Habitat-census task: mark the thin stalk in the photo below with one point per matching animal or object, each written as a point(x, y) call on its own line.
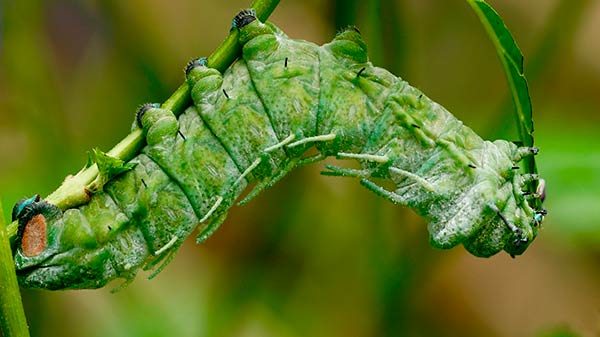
point(12, 315)
point(73, 191)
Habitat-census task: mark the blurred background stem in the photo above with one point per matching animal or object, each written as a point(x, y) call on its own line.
point(12, 315)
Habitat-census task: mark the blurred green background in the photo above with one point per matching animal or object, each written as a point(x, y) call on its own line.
point(316, 256)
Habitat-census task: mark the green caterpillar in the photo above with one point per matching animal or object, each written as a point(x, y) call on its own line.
point(252, 125)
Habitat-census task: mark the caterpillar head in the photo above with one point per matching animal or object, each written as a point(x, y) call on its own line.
point(527, 216)
point(51, 254)
point(511, 216)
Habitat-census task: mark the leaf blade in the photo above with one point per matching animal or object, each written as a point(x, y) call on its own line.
point(513, 63)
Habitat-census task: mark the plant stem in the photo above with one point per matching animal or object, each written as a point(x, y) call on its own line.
point(73, 190)
point(12, 315)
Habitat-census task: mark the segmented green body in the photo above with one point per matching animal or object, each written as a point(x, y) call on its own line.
point(253, 124)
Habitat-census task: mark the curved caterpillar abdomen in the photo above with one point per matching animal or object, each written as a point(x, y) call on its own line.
point(252, 125)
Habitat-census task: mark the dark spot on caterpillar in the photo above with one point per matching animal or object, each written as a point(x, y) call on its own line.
point(199, 62)
point(142, 110)
point(516, 167)
point(225, 92)
point(543, 212)
point(109, 228)
point(360, 72)
point(512, 255)
point(420, 96)
point(526, 193)
point(286, 62)
point(416, 126)
point(244, 18)
point(181, 134)
point(472, 166)
point(534, 150)
point(144, 183)
point(355, 29)
point(34, 241)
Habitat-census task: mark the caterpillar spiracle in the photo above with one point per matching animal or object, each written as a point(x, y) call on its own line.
point(252, 125)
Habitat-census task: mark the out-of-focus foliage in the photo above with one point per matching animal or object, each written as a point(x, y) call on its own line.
point(315, 256)
point(562, 332)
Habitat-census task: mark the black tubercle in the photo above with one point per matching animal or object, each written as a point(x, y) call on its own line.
point(244, 18)
point(360, 72)
point(142, 110)
point(199, 62)
point(225, 93)
point(354, 28)
point(285, 64)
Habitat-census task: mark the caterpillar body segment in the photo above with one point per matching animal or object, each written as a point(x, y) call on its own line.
point(252, 125)
point(291, 66)
point(232, 109)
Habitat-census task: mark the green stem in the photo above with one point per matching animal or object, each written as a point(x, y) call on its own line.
point(73, 191)
point(12, 315)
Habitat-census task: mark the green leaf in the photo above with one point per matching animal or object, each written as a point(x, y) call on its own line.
point(512, 61)
point(108, 167)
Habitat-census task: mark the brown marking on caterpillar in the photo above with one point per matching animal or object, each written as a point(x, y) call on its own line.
point(34, 239)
